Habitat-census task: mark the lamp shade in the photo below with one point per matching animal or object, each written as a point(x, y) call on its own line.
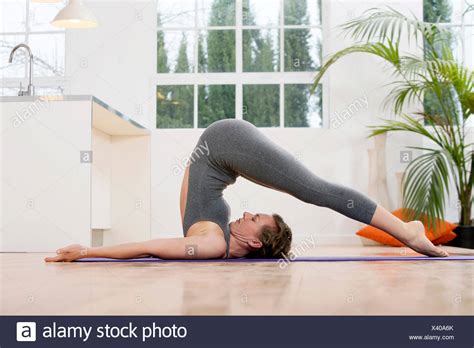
point(75, 15)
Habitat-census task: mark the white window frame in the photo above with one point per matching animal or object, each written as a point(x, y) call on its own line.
point(467, 35)
point(240, 78)
point(38, 81)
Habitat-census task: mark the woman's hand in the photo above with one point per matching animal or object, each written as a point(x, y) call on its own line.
point(70, 253)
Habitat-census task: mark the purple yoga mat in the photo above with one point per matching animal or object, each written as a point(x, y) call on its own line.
point(297, 259)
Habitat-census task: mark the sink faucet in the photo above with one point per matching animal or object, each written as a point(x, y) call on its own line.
point(31, 88)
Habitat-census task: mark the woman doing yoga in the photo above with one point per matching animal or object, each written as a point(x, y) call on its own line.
point(230, 148)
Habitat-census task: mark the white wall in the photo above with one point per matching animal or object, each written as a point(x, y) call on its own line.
point(116, 60)
point(118, 63)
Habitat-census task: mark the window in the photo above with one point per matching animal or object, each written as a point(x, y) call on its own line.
point(247, 59)
point(458, 17)
point(27, 22)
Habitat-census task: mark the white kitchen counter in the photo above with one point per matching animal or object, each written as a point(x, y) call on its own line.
point(73, 170)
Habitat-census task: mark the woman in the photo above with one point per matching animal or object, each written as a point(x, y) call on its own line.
point(230, 148)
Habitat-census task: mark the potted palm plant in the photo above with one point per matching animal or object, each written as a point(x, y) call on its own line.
point(433, 74)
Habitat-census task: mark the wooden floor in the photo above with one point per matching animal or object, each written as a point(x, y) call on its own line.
point(30, 286)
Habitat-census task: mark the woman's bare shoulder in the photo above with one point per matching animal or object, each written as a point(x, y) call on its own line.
point(205, 228)
point(209, 229)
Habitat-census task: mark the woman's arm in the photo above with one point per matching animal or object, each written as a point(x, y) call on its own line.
point(205, 246)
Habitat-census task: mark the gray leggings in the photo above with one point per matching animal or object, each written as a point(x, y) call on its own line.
point(237, 147)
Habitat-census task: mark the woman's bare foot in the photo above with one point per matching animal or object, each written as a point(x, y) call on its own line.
point(416, 240)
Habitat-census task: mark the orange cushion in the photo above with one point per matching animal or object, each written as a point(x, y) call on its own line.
point(445, 239)
point(370, 232)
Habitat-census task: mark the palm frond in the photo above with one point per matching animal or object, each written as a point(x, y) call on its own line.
point(449, 160)
point(409, 124)
point(405, 93)
point(425, 186)
point(414, 66)
point(387, 51)
point(377, 24)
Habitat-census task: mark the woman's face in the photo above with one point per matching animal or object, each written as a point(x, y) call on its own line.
point(251, 224)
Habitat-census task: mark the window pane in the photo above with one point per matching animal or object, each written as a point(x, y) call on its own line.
point(260, 50)
point(175, 51)
point(471, 66)
point(215, 102)
point(41, 15)
point(9, 91)
point(176, 13)
point(301, 108)
point(455, 40)
point(17, 68)
point(302, 49)
point(260, 12)
point(262, 105)
point(48, 50)
point(12, 16)
point(49, 91)
point(174, 106)
point(216, 12)
point(468, 11)
point(437, 14)
point(447, 11)
point(216, 50)
point(302, 12)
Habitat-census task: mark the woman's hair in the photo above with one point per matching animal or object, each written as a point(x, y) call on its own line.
point(275, 243)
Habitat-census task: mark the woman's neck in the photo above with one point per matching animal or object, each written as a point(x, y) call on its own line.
point(237, 248)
